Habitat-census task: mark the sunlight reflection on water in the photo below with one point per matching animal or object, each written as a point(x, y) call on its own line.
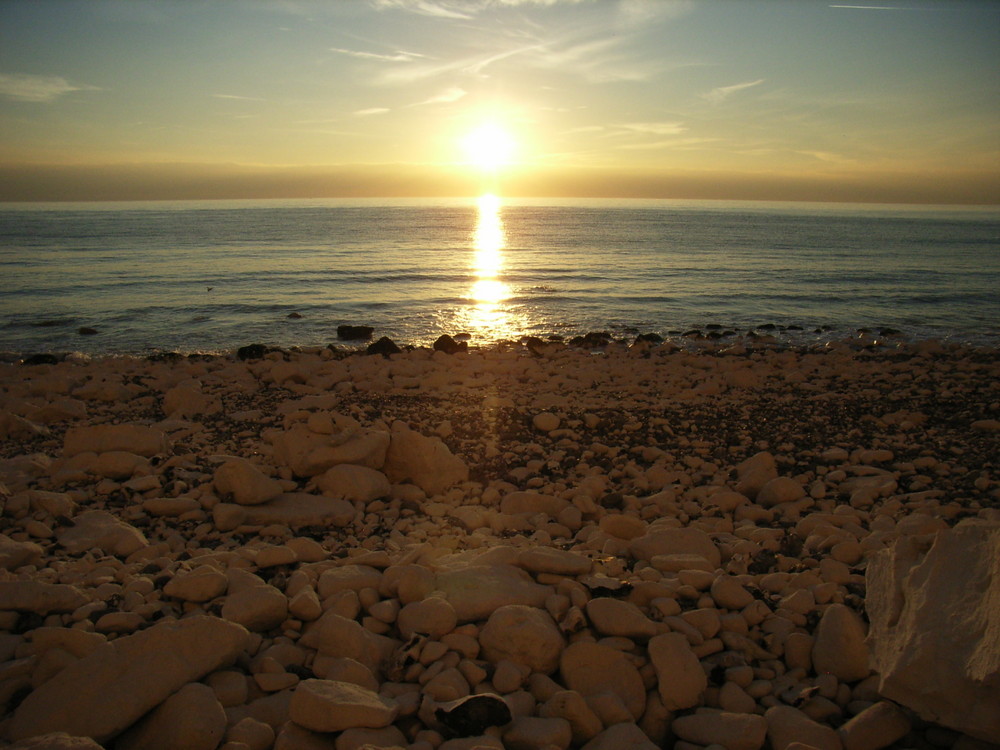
point(488, 316)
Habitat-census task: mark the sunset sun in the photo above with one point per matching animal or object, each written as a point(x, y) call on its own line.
point(489, 146)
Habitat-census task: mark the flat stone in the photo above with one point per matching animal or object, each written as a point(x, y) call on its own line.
point(524, 501)
point(134, 673)
point(40, 598)
point(623, 736)
point(331, 706)
point(555, 561)
point(56, 741)
point(140, 439)
point(476, 591)
point(524, 635)
point(786, 725)
point(257, 608)
point(308, 453)
point(348, 578)
point(729, 593)
point(685, 541)
point(734, 731)
point(292, 509)
point(877, 727)
point(202, 584)
point(536, 733)
point(100, 529)
point(433, 617)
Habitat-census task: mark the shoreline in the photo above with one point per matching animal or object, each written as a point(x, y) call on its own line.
point(425, 527)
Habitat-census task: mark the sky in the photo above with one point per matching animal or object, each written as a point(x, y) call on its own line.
point(856, 100)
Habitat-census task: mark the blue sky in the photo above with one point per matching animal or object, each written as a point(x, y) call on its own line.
point(640, 96)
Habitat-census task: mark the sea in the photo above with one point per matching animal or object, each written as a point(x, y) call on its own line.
point(137, 278)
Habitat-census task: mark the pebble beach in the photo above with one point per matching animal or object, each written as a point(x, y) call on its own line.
point(533, 546)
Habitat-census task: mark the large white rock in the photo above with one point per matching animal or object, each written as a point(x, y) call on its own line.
point(592, 668)
point(679, 675)
point(40, 597)
point(117, 683)
point(839, 646)
point(730, 730)
point(424, 461)
point(935, 626)
point(476, 591)
point(670, 541)
point(354, 483)
point(293, 509)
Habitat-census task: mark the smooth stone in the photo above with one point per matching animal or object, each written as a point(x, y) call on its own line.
point(536, 733)
point(728, 593)
point(309, 453)
point(555, 561)
point(56, 741)
point(779, 490)
point(619, 618)
point(191, 718)
point(424, 461)
point(839, 647)
point(40, 598)
point(247, 484)
point(257, 608)
point(433, 617)
point(102, 530)
point(202, 584)
point(623, 736)
point(669, 541)
point(592, 668)
point(524, 635)
point(292, 509)
point(734, 731)
point(786, 725)
point(347, 578)
point(133, 673)
point(680, 678)
point(140, 439)
point(354, 483)
point(877, 727)
point(331, 706)
point(476, 591)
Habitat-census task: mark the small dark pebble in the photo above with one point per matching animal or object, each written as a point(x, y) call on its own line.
point(384, 346)
point(86, 331)
point(354, 333)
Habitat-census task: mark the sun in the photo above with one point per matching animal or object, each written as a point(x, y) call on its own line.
point(489, 146)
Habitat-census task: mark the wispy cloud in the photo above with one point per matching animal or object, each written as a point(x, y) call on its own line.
point(399, 56)
point(654, 128)
point(426, 8)
point(445, 97)
point(722, 93)
point(371, 111)
point(871, 7)
point(25, 87)
point(238, 98)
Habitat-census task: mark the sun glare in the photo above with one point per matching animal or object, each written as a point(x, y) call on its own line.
point(489, 146)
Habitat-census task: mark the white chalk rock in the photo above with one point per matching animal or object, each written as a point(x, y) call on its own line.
point(552, 560)
point(780, 490)
point(935, 626)
point(523, 635)
point(199, 585)
point(433, 617)
point(545, 421)
point(258, 607)
point(292, 509)
point(348, 578)
point(353, 483)
point(39, 597)
point(134, 674)
point(878, 726)
point(247, 484)
point(728, 593)
point(100, 529)
point(331, 706)
point(753, 473)
point(424, 461)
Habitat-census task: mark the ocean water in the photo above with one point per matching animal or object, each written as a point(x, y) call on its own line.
point(215, 275)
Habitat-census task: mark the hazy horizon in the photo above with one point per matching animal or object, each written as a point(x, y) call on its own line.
point(888, 102)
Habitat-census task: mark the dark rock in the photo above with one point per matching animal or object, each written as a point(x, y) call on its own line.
point(889, 332)
point(713, 327)
point(50, 323)
point(653, 338)
point(165, 357)
point(463, 337)
point(471, 716)
point(767, 327)
point(251, 351)
point(592, 340)
point(794, 327)
point(354, 333)
point(294, 315)
point(693, 333)
point(531, 341)
point(448, 345)
point(384, 346)
point(612, 501)
point(40, 359)
point(86, 331)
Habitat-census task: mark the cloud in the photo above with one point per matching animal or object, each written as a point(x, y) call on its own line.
point(25, 87)
point(870, 7)
point(722, 93)
point(654, 128)
point(445, 97)
point(371, 111)
point(426, 8)
point(399, 56)
point(238, 98)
